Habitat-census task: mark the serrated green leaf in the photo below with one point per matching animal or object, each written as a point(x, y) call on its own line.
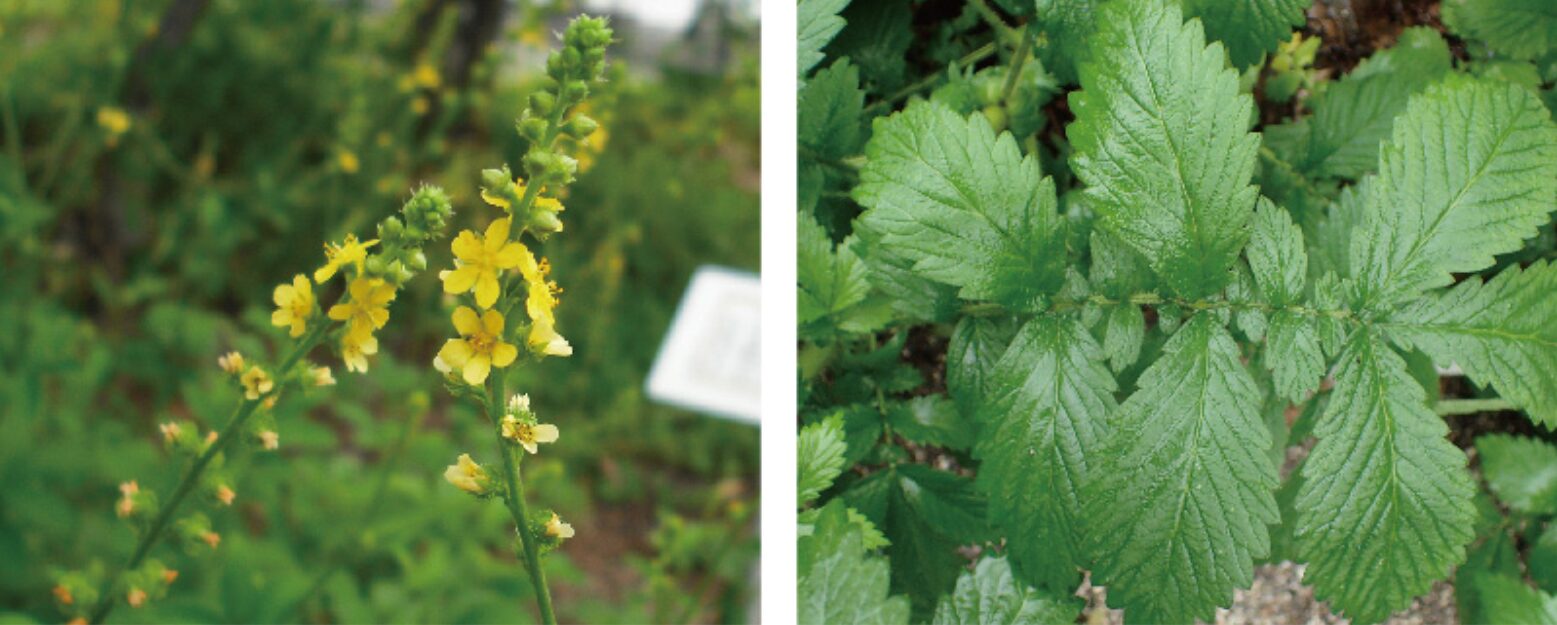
point(912, 297)
point(1493, 555)
point(1506, 600)
point(1181, 497)
point(1542, 559)
point(1332, 245)
point(839, 581)
point(971, 359)
point(1123, 335)
point(1385, 508)
point(1039, 432)
point(819, 456)
point(1066, 25)
point(831, 280)
point(1502, 333)
point(1117, 270)
point(1161, 139)
point(831, 109)
point(1293, 354)
point(964, 205)
point(877, 39)
point(991, 595)
point(1469, 172)
point(1521, 471)
point(818, 23)
point(1277, 257)
point(870, 537)
point(1341, 139)
point(1523, 29)
point(1251, 28)
point(926, 514)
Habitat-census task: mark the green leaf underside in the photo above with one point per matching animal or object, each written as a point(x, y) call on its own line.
point(831, 280)
point(963, 204)
point(1178, 510)
point(1469, 173)
point(820, 458)
point(1521, 471)
point(818, 23)
point(1523, 29)
point(1341, 139)
point(1162, 143)
point(991, 595)
point(1053, 396)
point(839, 581)
point(1385, 508)
point(1502, 333)
point(1251, 28)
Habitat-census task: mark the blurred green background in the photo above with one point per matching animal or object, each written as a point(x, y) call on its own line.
point(131, 256)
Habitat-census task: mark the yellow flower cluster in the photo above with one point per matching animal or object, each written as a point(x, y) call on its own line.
point(294, 305)
point(480, 346)
point(479, 260)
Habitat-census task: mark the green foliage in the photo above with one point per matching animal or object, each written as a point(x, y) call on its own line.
point(840, 581)
point(1522, 29)
point(1133, 317)
point(990, 594)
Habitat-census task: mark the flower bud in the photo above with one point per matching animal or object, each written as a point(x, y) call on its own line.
point(468, 476)
point(418, 261)
point(580, 126)
point(390, 229)
point(533, 129)
point(542, 102)
point(574, 90)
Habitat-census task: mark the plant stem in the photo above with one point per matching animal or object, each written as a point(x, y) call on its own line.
point(246, 408)
point(515, 500)
point(1448, 407)
point(979, 54)
point(1017, 61)
point(1002, 29)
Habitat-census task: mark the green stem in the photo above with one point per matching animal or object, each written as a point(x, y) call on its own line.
point(105, 601)
point(1448, 407)
point(1017, 61)
point(978, 54)
point(1003, 30)
point(515, 500)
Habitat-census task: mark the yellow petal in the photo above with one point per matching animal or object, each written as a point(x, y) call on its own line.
point(298, 326)
point(281, 317)
point(300, 282)
point(379, 317)
point(466, 246)
point(361, 290)
point(497, 234)
point(546, 433)
point(466, 322)
point(487, 289)
point(340, 312)
point(503, 354)
point(460, 280)
point(454, 353)
point(283, 294)
point(325, 273)
point(367, 344)
point(529, 446)
point(493, 322)
point(512, 255)
point(382, 294)
point(477, 368)
point(494, 200)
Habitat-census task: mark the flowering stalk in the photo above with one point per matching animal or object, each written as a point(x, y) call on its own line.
point(485, 280)
point(372, 280)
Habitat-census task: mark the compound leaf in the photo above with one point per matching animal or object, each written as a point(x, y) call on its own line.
point(1523, 29)
point(1385, 508)
point(972, 356)
point(1123, 335)
point(831, 106)
point(820, 457)
point(839, 581)
point(1277, 257)
point(1251, 28)
point(831, 280)
point(818, 23)
point(1521, 471)
point(1161, 139)
point(1181, 498)
point(1469, 173)
point(1501, 333)
point(963, 204)
point(991, 595)
point(1293, 354)
point(1038, 435)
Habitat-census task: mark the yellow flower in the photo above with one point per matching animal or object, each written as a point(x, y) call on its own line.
point(225, 495)
point(321, 376)
point(555, 528)
point(126, 505)
point(348, 161)
point(426, 76)
point(337, 256)
point(231, 362)
point(368, 308)
point(540, 203)
point(170, 431)
point(545, 340)
point(294, 304)
point(270, 440)
point(481, 347)
point(136, 598)
point(528, 434)
point(113, 119)
point(478, 261)
point(211, 538)
point(468, 476)
point(355, 349)
point(255, 383)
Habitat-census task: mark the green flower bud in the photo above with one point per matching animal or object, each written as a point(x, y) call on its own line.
point(580, 126)
point(390, 229)
point(418, 261)
point(542, 102)
point(375, 265)
point(533, 128)
point(574, 90)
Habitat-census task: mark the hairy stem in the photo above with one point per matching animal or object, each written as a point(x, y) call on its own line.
point(1002, 29)
point(515, 500)
point(979, 54)
point(1018, 59)
point(159, 524)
